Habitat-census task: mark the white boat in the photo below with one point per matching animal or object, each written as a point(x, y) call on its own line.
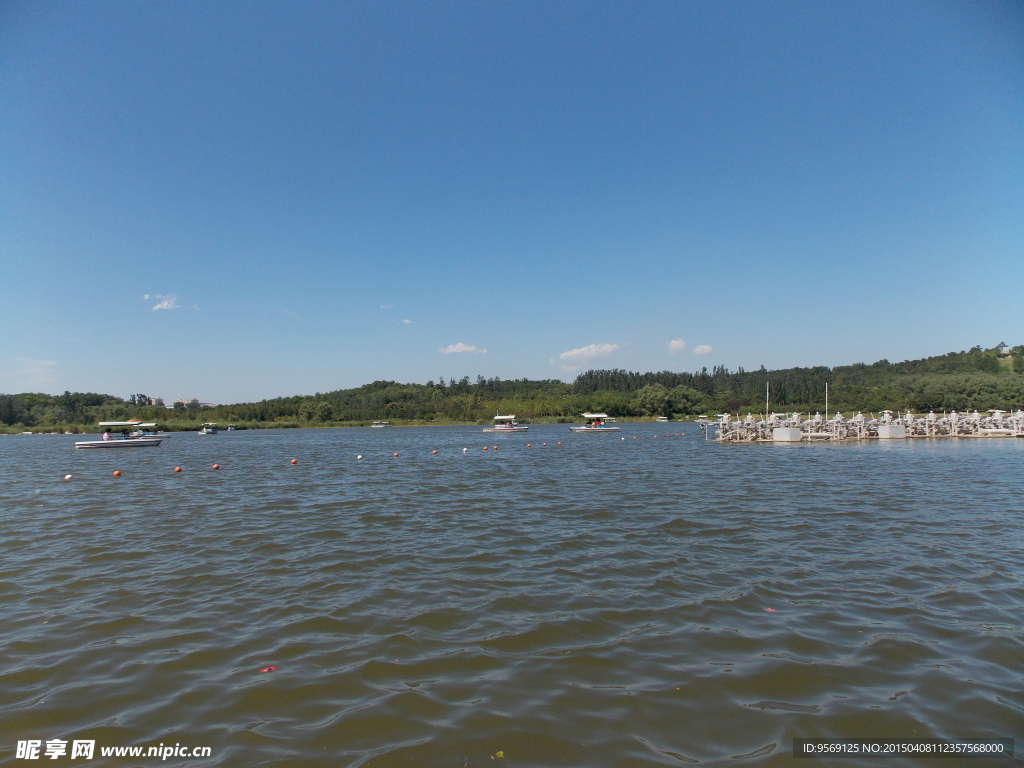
point(209, 428)
point(662, 418)
point(379, 424)
point(141, 436)
point(506, 424)
point(596, 422)
point(232, 428)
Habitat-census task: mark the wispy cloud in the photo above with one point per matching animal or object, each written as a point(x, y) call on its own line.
point(164, 300)
point(29, 374)
point(676, 346)
point(387, 306)
point(703, 349)
point(407, 322)
point(452, 349)
point(574, 359)
point(587, 353)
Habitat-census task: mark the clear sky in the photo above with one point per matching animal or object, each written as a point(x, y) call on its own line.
point(233, 201)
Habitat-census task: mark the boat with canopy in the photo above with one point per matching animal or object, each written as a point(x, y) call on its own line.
point(506, 424)
point(596, 422)
point(142, 435)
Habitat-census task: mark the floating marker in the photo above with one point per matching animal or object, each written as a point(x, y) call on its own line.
point(117, 473)
point(544, 443)
point(559, 442)
point(177, 469)
point(495, 447)
point(485, 447)
point(395, 455)
point(465, 450)
point(67, 477)
point(295, 461)
point(269, 669)
point(216, 466)
point(529, 446)
point(359, 456)
point(433, 453)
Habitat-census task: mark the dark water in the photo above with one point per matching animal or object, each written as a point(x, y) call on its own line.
point(600, 603)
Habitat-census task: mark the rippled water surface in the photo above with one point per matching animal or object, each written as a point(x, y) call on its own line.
point(604, 602)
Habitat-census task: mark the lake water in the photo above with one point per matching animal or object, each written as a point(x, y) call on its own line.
point(604, 602)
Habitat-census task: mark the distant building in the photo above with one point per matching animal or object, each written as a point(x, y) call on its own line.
point(188, 402)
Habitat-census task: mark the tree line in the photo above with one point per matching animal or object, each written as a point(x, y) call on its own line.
point(972, 379)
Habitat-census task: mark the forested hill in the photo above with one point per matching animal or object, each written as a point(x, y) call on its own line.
point(974, 379)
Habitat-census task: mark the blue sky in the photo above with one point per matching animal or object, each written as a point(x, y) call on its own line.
point(234, 201)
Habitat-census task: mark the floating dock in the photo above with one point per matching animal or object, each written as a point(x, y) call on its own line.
point(791, 428)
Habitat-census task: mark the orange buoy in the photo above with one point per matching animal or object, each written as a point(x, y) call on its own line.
point(559, 442)
point(433, 453)
point(395, 455)
point(485, 447)
point(634, 437)
point(216, 466)
point(544, 443)
point(495, 447)
point(529, 446)
point(117, 473)
point(295, 461)
point(177, 469)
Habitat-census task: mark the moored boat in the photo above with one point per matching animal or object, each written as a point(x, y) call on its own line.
point(506, 424)
point(209, 428)
point(380, 424)
point(596, 422)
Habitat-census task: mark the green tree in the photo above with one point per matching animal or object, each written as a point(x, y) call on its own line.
point(686, 400)
point(654, 400)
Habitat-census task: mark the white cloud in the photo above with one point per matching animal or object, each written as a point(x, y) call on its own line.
point(29, 375)
point(387, 306)
point(703, 349)
point(460, 347)
point(676, 346)
point(575, 358)
point(407, 322)
point(165, 300)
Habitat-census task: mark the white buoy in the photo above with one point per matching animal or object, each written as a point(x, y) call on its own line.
point(359, 456)
point(67, 477)
point(465, 450)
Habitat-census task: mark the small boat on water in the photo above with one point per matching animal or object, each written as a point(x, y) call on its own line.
point(506, 424)
point(380, 424)
point(209, 428)
point(596, 422)
point(140, 436)
point(662, 418)
point(232, 428)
